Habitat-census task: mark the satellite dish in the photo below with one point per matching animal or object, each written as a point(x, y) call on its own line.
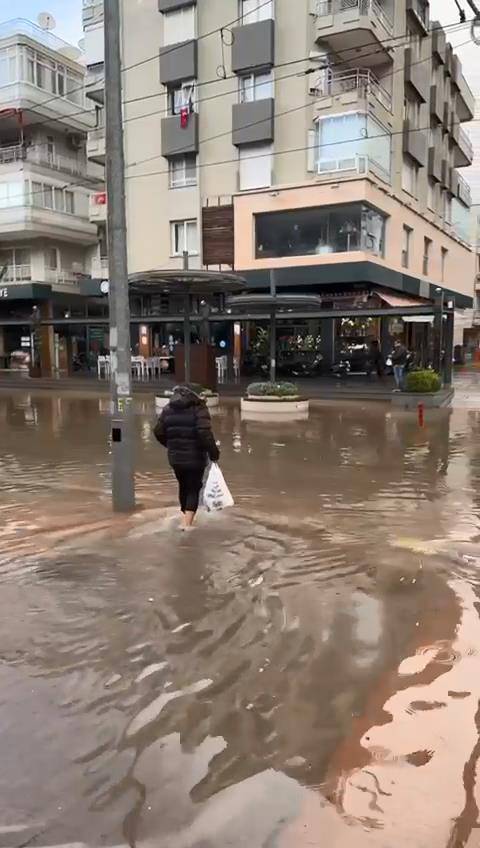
point(46, 21)
point(81, 45)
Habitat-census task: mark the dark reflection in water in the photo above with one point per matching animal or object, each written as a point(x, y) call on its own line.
point(294, 669)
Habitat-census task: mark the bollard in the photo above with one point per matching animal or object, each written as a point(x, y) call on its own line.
point(421, 415)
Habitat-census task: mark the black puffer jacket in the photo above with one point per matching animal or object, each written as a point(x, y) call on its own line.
point(185, 429)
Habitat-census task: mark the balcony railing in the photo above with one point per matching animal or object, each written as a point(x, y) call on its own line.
point(20, 26)
point(365, 7)
point(99, 269)
point(12, 153)
point(333, 83)
point(464, 190)
point(360, 165)
point(16, 273)
point(465, 143)
point(60, 277)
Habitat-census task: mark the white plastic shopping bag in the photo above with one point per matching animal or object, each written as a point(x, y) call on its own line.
point(216, 494)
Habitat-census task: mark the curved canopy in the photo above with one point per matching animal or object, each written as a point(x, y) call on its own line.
point(185, 282)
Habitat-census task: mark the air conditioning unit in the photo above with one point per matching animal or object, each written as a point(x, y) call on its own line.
point(74, 141)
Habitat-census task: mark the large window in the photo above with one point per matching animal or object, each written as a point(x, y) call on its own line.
point(179, 25)
point(344, 142)
point(256, 166)
point(184, 237)
point(46, 196)
point(410, 176)
point(256, 87)
point(256, 10)
point(183, 171)
point(17, 262)
point(320, 230)
point(22, 64)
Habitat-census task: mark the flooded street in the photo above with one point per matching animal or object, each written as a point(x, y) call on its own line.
point(302, 670)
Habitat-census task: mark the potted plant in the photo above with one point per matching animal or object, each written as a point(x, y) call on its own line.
point(279, 398)
point(211, 398)
point(423, 386)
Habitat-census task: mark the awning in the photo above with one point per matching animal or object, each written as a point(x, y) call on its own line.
point(400, 300)
point(417, 319)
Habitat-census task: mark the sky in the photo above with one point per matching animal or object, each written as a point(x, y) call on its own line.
point(446, 12)
point(67, 13)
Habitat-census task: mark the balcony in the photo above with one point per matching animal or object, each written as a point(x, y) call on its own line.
point(435, 163)
point(96, 148)
point(417, 75)
point(26, 221)
point(465, 105)
point(355, 166)
point(464, 193)
point(179, 62)
point(253, 122)
point(353, 25)
point(437, 103)
point(415, 143)
point(12, 153)
point(177, 141)
point(173, 5)
point(439, 42)
point(253, 46)
point(347, 88)
point(61, 278)
point(99, 268)
point(17, 274)
point(92, 12)
point(447, 172)
point(22, 26)
point(95, 83)
point(462, 147)
point(419, 12)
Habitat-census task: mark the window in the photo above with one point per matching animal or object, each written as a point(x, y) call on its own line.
point(70, 202)
point(406, 240)
point(51, 258)
point(179, 25)
point(48, 196)
point(410, 176)
point(22, 64)
point(8, 65)
point(256, 166)
point(183, 171)
point(256, 10)
point(443, 257)
point(181, 96)
point(432, 196)
point(17, 261)
point(256, 87)
point(447, 207)
point(320, 230)
point(427, 243)
point(184, 238)
point(12, 194)
point(59, 200)
point(37, 194)
point(344, 141)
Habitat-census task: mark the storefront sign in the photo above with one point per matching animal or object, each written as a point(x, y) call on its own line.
point(3, 293)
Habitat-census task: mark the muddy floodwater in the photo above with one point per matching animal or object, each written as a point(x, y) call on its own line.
point(303, 670)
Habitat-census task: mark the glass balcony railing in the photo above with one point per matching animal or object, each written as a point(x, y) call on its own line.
point(20, 26)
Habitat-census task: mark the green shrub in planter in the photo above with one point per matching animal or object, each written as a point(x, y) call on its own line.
point(423, 382)
point(278, 390)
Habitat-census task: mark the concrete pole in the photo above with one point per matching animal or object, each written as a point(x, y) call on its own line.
point(273, 329)
point(187, 351)
point(438, 330)
point(123, 474)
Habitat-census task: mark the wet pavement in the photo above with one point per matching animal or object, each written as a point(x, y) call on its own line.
point(303, 670)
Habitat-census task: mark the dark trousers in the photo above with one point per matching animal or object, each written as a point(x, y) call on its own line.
point(190, 481)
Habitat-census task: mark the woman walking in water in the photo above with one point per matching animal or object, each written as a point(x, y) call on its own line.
point(185, 429)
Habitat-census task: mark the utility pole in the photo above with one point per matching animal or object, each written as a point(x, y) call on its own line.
point(123, 474)
point(273, 328)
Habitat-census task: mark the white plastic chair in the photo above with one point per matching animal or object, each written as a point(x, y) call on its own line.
point(221, 362)
point(236, 367)
point(138, 367)
point(103, 367)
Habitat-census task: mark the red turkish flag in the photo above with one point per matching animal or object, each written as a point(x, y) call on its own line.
point(184, 113)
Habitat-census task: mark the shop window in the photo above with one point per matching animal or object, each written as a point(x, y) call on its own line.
point(320, 230)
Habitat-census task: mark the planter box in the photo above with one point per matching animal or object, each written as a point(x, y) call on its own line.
point(161, 402)
point(275, 406)
point(433, 400)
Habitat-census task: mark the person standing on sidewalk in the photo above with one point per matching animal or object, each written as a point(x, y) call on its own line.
point(185, 429)
point(399, 362)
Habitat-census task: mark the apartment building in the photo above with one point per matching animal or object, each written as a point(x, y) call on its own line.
point(47, 240)
point(321, 139)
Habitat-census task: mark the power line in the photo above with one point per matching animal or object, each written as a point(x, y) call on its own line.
point(261, 121)
point(456, 27)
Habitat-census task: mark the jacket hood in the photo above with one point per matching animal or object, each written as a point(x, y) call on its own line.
point(184, 396)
